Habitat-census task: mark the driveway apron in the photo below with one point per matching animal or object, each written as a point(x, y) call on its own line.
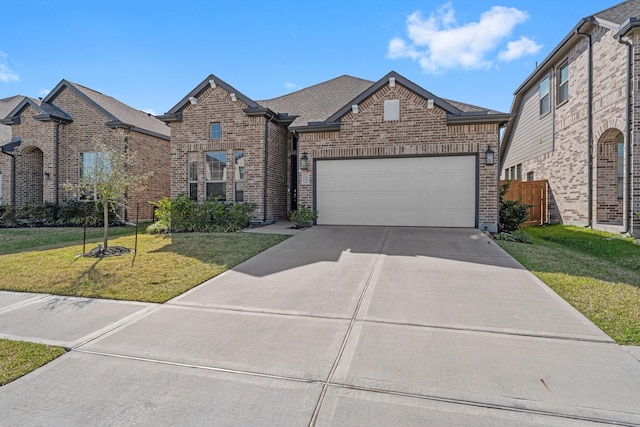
point(346, 326)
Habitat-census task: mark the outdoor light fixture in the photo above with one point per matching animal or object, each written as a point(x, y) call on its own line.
point(233, 97)
point(489, 154)
point(47, 175)
point(212, 83)
point(354, 109)
point(193, 100)
point(304, 162)
point(430, 103)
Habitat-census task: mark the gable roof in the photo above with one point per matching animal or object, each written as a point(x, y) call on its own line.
point(617, 15)
point(6, 105)
point(45, 112)
point(457, 112)
point(318, 102)
point(617, 18)
point(321, 106)
point(118, 114)
point(253, 108)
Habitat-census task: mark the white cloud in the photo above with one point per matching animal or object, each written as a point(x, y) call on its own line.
point(43, 92)
point(290, 86)
point(6, 74)
point(438, 42)
point(519, 48)
point(150, 111)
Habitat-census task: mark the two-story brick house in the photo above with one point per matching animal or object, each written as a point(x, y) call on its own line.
point(52, 138)
point(359, 152)
point(576, 119)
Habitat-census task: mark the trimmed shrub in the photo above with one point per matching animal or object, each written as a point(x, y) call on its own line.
point(183, 214)
point(67, 214)
point(512, 212)
point(304, 216)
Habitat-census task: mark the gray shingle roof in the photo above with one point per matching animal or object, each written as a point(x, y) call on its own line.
point(317, 103)
point(619, 13)
point(6, 106)
point(124, 113)
point(117, 113)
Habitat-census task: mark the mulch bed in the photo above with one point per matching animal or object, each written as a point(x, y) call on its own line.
point(100, 252)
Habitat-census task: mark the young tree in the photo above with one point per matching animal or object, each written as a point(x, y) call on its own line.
point(107, 174)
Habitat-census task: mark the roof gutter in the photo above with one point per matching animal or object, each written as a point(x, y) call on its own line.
point(589, 126)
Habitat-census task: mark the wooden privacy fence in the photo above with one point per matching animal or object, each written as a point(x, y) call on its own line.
point(532, 193)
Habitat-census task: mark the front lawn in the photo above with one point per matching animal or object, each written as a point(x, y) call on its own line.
point(18, 358)
point(596, 272)
point(46, 260)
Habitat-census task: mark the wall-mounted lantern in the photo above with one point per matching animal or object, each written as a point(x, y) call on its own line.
point(489, 156)
point(304, 162)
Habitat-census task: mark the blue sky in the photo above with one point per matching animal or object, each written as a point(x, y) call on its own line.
point(151, 54)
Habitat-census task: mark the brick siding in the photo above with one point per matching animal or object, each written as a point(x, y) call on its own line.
point(37, 183)
point(419, 132)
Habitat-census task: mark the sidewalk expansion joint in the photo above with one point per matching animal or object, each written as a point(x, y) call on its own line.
point(254, 311)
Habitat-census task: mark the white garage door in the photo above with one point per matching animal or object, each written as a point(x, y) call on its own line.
point(416, 191)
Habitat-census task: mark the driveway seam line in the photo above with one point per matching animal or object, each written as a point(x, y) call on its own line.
point(434, 398)
point(352, 322)
point(493, 332)
point(488, 405)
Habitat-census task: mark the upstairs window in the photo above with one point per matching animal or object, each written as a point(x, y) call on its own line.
point(545, 101)
point(563, 83)
point(216, 131)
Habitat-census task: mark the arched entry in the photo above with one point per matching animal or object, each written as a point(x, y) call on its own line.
point(29, 176)
point(610, 178)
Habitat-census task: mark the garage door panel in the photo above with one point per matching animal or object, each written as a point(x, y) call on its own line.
point(421, 191)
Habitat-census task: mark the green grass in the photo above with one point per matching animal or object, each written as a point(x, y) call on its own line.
point(18, 358)
point(46, 260)
point(596, 272)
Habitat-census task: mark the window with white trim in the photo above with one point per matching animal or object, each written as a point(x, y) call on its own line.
point(563, 83)
point(545, 99)
point(519, 172)
point(238, 175)
point(215, 175)
point(192, 172)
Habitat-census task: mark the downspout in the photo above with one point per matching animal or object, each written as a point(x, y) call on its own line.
point(13, 175)
point(628, 215)
point(57, 162)
point(266, 169)
point(589, 127)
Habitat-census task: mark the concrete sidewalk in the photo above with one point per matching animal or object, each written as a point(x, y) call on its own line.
point(335, 326)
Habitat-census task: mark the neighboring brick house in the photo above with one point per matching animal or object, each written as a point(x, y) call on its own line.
point(575, 118)
point(51, 138)
point(359, 152)
point(6, 106)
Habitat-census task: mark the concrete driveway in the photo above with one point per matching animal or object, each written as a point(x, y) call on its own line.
point(348, 326)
